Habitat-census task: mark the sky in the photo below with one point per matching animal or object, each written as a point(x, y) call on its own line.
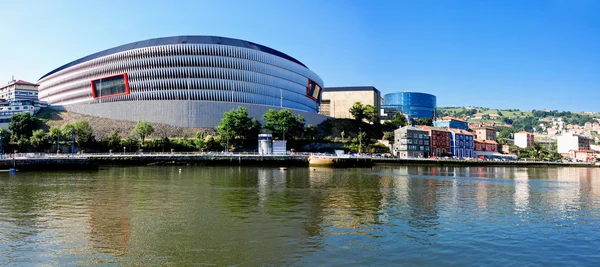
point(532, 54)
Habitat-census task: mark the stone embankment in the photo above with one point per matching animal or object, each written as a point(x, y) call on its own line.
point(38, 164)
point(475, 163)
point(93, 162)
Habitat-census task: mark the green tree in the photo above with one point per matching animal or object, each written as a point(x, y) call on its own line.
point(142, 130)
point(83, 132)
point(388, 136)
point(311, 131)
point(371, 114)
point(199, 140)
point(210, 144)
point(22, 143)
point(237, 128)
point(113, 140)
point(55, 134)
point(283, 121)
point(342, 134)
point(424, 121)
point(358, 111)
point(38, 139)
point(22, 125)
point(6, 136)
point(399, 120)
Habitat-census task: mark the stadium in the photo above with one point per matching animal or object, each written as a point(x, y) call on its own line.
point(187, 81)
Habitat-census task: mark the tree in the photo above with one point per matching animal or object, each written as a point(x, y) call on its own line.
point(141, 130)
point(22, 125)
point(38, 139)
point(83, 132)
point(282, 122)
point(371, 114)
point(342, 134)
point(55, 134)
point(113, 140)
point(6, 135)
point(424, 121)
point(238, 128)
point(81, 128)
point(311, 131)
point(210, 144)
point(199, 140)
point(358, 111)
point(388, 136)
point(22, 143)
point(399, 120)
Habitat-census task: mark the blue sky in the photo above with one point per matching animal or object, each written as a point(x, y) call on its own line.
point(499, 54)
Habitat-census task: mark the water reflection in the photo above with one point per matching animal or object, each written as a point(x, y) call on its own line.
point(308, 216)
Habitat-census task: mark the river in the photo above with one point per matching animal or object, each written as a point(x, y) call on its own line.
point(248, 216)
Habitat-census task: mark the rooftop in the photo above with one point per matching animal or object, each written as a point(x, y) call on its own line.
point(350, 88)
point(18, 82)
point(190, 39)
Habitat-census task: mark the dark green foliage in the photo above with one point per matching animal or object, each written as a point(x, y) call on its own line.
point(38, 139)
point(424, 121)
point(238, 129)
point(358, 111)
point(22, 125)
point(283, 122)
point(141, 130)
point(388, 136)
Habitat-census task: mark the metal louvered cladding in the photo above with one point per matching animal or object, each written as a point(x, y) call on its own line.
point(205, 72)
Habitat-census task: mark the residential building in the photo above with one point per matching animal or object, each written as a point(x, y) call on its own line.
point(411, 142)
point(451, 122)
point(485, 147)
point(337, 101)
point(439, 140)
point(569, 141)
point(582, 155)
point(461, 143)
point(524, 139)
point(485, 133)
point(19, 90)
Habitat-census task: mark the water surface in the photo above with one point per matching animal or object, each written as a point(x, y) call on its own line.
point(451, 216)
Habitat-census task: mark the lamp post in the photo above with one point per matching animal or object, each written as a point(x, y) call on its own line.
point(359, 140)
point(1, 139)
point(123, 151)
point(72, 142)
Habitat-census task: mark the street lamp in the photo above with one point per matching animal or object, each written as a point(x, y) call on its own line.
point(72, 142)
point(123, 151)
point(359, 140)
point(1, 139)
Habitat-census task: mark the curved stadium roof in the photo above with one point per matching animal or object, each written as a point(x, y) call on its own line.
point(192, 39)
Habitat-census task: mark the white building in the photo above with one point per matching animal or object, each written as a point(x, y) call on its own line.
point(18, 97)
point(19, 90)
point(524, 139)
point(568, 142)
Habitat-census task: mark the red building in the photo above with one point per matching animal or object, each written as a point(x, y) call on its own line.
point(439, 140)
point(485, 146)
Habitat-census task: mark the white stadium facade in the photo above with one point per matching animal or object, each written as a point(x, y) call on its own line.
point(187, 81)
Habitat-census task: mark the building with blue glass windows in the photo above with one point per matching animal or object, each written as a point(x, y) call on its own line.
point(187, 81)
point(411, 104)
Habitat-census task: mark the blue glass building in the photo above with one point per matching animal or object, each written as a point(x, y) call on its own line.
point(414, 105)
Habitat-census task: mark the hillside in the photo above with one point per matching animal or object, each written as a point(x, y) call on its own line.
point(103, 126)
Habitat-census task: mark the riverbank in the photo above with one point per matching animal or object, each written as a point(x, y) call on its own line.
point(48, 164)
point(470, 163)
point(93, 162)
